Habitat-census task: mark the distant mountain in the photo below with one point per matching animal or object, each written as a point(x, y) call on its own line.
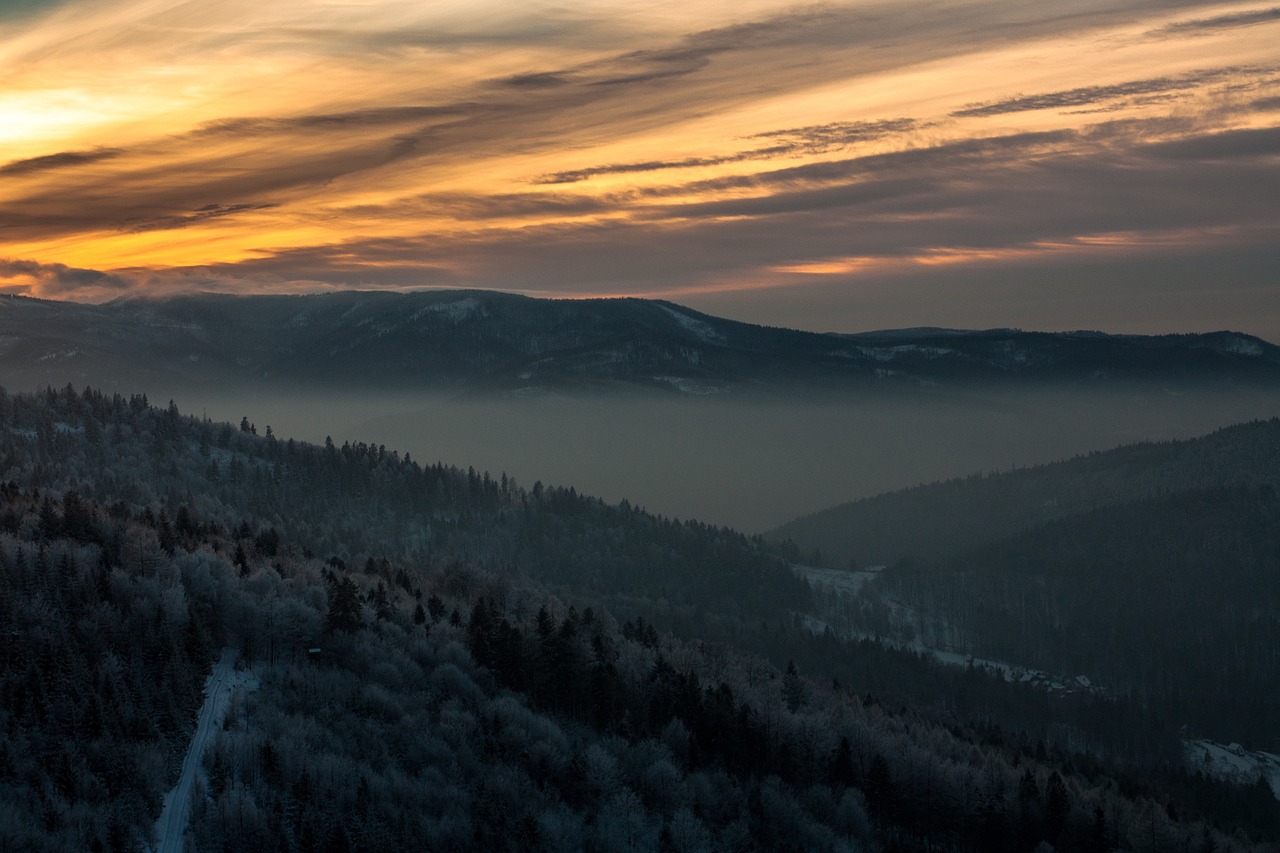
point(1152, 569)
point(1175, 599)
point(940, 519)
point(479, 341)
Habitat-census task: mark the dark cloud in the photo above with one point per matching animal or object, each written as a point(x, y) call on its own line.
point(465, 207)
point(690, 54)
point(576, 175)
point(541, 26)
point(1262, 142)
point(537, 80)
point(377, 117)
point(195, 217)
point(249, 158)
point(61, 160)
point(798, 26)
point(826, 198)
point(23, 8)
point(823, 136)
point(61, 280)
point(1089, 95)
point(807, 140)
point(656, 74)
point(187, 189)
point(944, 156)
point(1024, 193)
point(1205, 26)
point(996, 193)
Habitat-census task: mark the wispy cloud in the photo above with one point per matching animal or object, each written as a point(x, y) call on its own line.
point(57, 280)
point(1230, 20)
point(615, 145)
point(817, 139)
point(1090, 95)
point(195, 217)
point(61, 160)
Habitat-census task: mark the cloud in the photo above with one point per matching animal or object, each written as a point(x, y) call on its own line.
point(832, 134)
point(574, 176)
point(58, 280)
point(927, 159)
point(399, 150)
point(537, 80)
point(1206, 26)
point(807, 140)
point(1020, 196)
point(61, 160)
point(467, 207)
point(195, 217)
point(1261, 142)
point(377, 117)
point(22, 8)
point(812, 200)
point(1089, 95)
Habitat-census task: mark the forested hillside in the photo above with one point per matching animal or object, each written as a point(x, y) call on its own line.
point(1151, 570)
point(495, 671)
point(1175, 600)
point(939, 519)
point(480, 342)
point(359, 499)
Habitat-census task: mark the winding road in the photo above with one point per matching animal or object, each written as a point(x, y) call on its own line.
point(172, 825)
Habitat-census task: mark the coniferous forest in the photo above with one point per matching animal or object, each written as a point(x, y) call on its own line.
point(448, 660)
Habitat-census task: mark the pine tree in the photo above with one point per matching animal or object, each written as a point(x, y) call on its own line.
point(344, 606)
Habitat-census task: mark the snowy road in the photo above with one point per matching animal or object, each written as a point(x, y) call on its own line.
point(177, 803)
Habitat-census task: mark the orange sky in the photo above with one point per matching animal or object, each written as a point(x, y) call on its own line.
point(832, 164)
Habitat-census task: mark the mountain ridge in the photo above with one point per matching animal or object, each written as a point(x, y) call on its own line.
point(473, 341)
point(932, 520)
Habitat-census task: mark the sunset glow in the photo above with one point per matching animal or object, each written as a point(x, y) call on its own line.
point(623, 148)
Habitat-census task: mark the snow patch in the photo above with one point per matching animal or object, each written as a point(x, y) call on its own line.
point(455, 312)
point(837, 587)
point(1239, 346)
point(839, 580)
point(54, 356)
point(690, 386)
point(1233, 763)
point(695, 326)
point(893, 353)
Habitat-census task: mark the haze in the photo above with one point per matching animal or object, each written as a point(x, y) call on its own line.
point(748, 464)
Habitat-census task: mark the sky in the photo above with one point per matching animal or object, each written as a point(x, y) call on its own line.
point(830, 166)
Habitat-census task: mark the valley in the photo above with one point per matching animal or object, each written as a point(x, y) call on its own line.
point(558, 641)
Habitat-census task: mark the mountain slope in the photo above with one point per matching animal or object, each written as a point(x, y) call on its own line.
point(361, 500)
point(478, 341)
point(1153, 570)
point(436, 693)
point(932, 521)
point(1175, 599)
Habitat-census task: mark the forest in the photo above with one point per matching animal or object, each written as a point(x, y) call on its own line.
point(939, 519)
point(1150, 570)
point(1175, 601)
point(450, 660)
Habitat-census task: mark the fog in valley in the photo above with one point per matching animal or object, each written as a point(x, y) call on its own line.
point(749, 463)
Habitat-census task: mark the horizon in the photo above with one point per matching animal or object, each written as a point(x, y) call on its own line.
point(923, 329)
